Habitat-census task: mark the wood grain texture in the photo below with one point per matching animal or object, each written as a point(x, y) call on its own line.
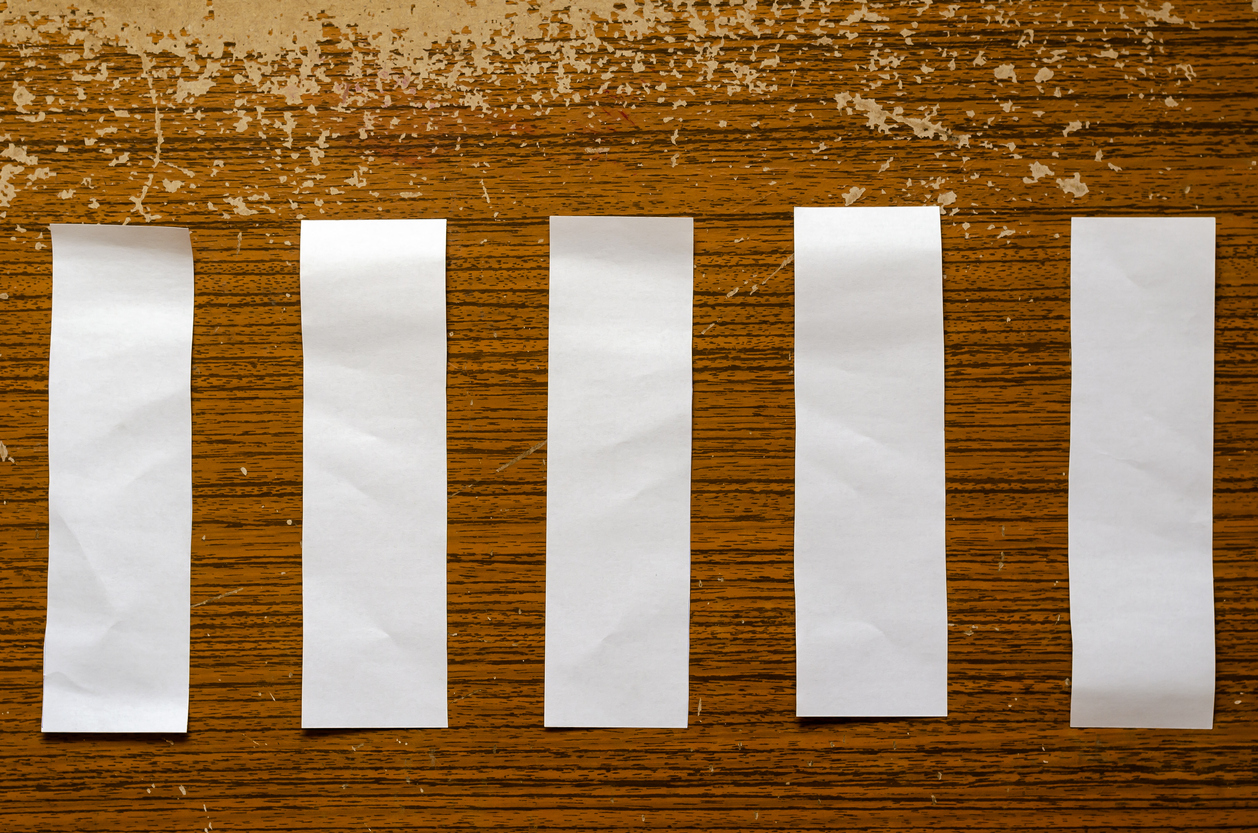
point(1154, 110)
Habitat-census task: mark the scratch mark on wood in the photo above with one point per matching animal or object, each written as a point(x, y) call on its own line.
point(501, 468)
point(219, 596)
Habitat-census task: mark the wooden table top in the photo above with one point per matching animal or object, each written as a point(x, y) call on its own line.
point(238, 119)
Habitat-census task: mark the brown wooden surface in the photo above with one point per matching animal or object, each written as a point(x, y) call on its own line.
point(357, 115)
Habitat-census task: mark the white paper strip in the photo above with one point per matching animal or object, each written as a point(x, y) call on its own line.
point(870, 581)
point(618, 472)
point(374, 493)
point(119, 480)
point(1141, 466)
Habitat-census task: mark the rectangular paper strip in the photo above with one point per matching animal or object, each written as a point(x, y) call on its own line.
point(119, 480)
point(618, 472)
point(870, 580)
point(374, 491)
point(1141, 469)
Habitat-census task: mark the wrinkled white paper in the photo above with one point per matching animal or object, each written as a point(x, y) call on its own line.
point(1141, 471)
point(374, 491)
point(119, 480)
point(870, 570)
point(618, 472)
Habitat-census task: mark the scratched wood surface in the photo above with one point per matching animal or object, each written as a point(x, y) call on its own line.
point(1011, 116)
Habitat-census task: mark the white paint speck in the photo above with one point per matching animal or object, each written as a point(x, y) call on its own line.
point(1074, 186)
point(1037, 170)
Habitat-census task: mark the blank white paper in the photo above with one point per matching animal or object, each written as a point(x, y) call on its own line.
point(618, 472)
point(1141, 472)
point(119, 480)
point(373, 324)
point(870, 571)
